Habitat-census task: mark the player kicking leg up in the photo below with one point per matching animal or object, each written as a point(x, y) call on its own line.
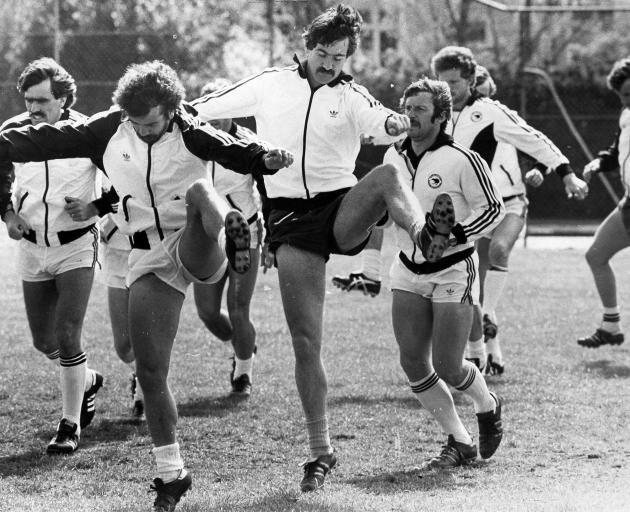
point(156, 296)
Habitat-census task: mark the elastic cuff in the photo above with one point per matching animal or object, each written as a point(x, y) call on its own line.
point(458, 233)
point(563, 169)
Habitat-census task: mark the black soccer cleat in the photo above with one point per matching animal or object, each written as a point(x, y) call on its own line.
point(437, 228)
point(168, 495)
point(237, 240)
point(358, 281)
point(66, 439)
point(493, 368)
point(490, 329)
point(242, 385)
point(88, 406)
point(315, 472)
point(453, 454)
point(490, 429)
point(601, 337)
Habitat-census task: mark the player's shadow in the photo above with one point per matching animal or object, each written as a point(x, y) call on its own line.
point(21, 464)
point(607, 369)
point(417, 479)
point(215, 407)
point(408, 401)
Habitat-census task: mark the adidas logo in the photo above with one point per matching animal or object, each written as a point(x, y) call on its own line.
point(333, 113)
point(126, 156)
point(450, 291)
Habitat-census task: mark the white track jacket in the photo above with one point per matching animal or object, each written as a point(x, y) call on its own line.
point(151, 179)
point(321, 127)
point(493, 130)
point(448, 167)
point(40, 187)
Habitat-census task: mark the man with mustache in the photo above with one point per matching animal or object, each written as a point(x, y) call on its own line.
point(317, 208)
point(155, 152)
point(56, 254)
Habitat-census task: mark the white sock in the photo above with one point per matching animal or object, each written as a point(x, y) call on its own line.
point(611, 320)
point(476, 349)
point(493, 287)
point(169, 462)
point(72, 372)
point(243, 366)
point(474, 386)
point(372, 264)
point(318, 437)
point(434, 396)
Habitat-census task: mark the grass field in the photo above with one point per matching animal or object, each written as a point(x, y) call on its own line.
point(567, 413)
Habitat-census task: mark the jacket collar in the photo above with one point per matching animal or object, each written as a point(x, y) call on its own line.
point(442, 139)
point(302, 72)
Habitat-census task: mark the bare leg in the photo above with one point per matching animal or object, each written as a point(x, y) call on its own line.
point(239, 297)
point(610, 238)
point(380, 190)
point(208, 299)
point(302, 287)
point(154, 309)
point(118, 300)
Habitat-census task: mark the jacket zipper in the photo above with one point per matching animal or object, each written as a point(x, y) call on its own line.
point(155, 212)
point(46, 204)
point(308, 112)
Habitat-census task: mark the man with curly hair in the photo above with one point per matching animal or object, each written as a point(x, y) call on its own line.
point(613, 234)
point(317, 208)
point(155, 153)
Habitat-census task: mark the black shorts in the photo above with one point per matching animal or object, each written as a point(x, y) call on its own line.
point(308, 224)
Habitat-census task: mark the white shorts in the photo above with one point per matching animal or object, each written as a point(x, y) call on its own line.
point(516, 205)
point(164, 262)
point(41, 263)
point(458, 283)
point(115, 266)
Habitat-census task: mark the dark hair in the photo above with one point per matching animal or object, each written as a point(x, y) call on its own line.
point(215, 85)
point(335, 24)
point(454, 57)
point(619, 73)
point(148, 85)
point(441, 94)
point(482, 75)
point(61, 82)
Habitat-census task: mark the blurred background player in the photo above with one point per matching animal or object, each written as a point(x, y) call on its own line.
point(56, 254)
point(494, 247)
point(115, 249)
point(481, 124)
point(613, 234)
point(234, 325)
point(432, 301)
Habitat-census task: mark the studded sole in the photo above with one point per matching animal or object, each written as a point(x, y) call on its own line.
point(238, 238)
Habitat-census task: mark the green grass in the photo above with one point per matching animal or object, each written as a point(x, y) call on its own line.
point(566, 416)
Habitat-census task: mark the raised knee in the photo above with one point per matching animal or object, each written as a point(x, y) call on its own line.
point(593, 257)
point(499, 254)
point(196, 190)
point(387, 171)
